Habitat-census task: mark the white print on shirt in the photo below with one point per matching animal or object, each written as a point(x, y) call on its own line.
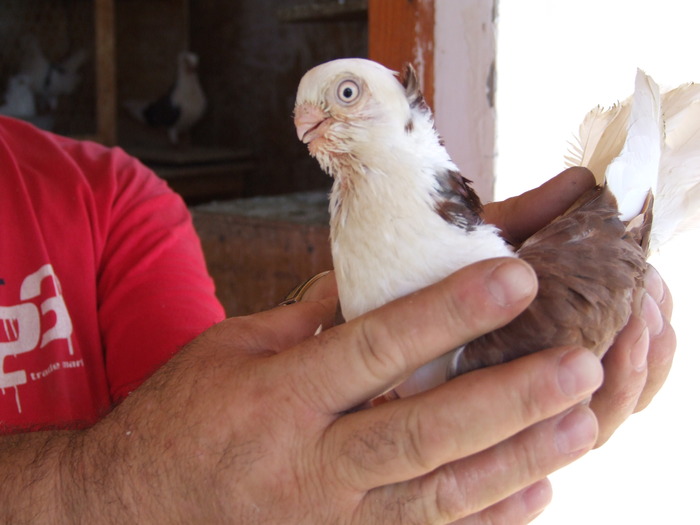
point(23, 329)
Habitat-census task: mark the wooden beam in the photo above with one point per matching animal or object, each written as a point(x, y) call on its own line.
point(105, 71)
point(402, 31)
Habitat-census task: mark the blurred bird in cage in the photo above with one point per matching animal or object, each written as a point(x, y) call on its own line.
point(19, 98)
point(49, 80)
point(178, 109)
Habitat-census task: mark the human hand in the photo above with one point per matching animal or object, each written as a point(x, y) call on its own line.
point(253, 421)
point(639, 361)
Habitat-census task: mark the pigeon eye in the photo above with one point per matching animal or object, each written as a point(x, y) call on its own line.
point(348, 91)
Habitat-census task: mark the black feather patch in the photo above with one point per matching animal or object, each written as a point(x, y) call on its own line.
point(457, 202)
point(415, 97)
point(162, 112)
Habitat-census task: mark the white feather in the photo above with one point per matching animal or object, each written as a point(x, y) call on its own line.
point(649, 141)
point(676, 210)
point(600, 139)
point(634, 172)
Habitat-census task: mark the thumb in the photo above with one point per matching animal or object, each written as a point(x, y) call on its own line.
point(285, 326)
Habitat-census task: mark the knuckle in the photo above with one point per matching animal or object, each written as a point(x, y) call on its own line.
point(383, 441)
point(373, 447)
point(450, 501)
point(370, 449)
point(523, 396)
point(421, 440)
point(529, 459)
point(403, 509)
point(382, 353)
point(663, 348)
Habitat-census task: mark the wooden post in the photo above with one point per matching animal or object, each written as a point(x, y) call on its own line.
point(105, 71)
point(402, 31)
point(452, 45)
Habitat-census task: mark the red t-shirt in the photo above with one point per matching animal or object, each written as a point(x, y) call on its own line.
point(102, 278)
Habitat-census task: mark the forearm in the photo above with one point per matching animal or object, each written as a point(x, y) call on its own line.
point(110, 473)
point(31, 477)
point(68, 477)
point(120, 470)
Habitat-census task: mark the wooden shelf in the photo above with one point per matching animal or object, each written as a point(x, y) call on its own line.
point(200, 174)
point(188, 156)
point(258, 249)
point(324, 11)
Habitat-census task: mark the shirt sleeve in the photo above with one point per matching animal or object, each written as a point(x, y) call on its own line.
point(154, 293)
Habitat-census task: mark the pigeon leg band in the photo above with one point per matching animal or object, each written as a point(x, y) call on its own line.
point(297, 294)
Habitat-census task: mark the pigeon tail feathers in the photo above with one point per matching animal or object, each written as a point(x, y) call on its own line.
point(677, 208)
point(634, 172)
point(648, 142)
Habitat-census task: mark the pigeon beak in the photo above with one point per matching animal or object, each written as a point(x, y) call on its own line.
point(308, 120)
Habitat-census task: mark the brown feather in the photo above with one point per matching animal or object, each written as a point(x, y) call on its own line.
point(457, 202)
point(414, 95)
point(590, 266)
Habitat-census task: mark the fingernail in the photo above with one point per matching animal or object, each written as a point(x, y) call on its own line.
point(510, 282)
point(576, 431)
point(537, 496)
point(580, 372)
point(654, 284)
point(652, 315)
point(639, 351)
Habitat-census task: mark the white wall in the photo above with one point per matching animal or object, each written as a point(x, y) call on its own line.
point(464, 57)
point(556, 60)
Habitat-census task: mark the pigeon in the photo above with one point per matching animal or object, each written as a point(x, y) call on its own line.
point(49, 80)
point(181, 107)
point(403, 217)
point(19, 98)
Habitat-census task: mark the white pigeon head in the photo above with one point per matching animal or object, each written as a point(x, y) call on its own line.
point(188, 62)
point(345, 107)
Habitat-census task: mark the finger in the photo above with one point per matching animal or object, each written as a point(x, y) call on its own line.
point(274, 330)
point(409, 437)
point(522, 507)
point(658, 290)
point(657, 307)
point(521, 216)
point(475, 483)
point(363, 358)
point(625, 365)
point(661, 351)
point(662, 345)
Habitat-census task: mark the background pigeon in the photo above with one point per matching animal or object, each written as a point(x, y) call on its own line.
point(181, 107)
point(19, 98)
point(49, 80)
